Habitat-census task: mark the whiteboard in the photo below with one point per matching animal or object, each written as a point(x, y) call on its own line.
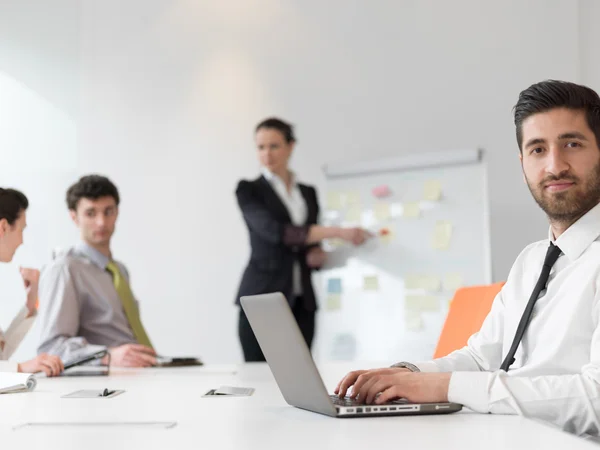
point(388, 299)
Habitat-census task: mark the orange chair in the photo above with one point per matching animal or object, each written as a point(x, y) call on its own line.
point(468, 310)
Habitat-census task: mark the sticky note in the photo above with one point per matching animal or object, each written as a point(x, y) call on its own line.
point(353, 214)
point(336, 243)
point(352, 198)
point(396, 210)
point(411, 210)
point(421, 303)
point(452, 281)
point(334, 200)
point(442, 234)
point(413, 321)
point(371, 283)
point(334, 286)
point(382, 211)
point(387, 234)
point(432, 190)
point(429, 283)
point(333, 302)
point(381, 191)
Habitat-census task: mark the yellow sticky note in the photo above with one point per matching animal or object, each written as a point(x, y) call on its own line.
point(429, 283)
point(334, 302)
point(382, 211)
point(371, 283)
point(352, 198)
point(413, 321)
point(432, 191)
point(412, 281)
point(334, 200)
point(452, 281)
point(353, 214)
point(428, 303)
point(411, 210)
point(442, 235)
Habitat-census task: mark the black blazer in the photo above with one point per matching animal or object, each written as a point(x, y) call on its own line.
point(275, 242)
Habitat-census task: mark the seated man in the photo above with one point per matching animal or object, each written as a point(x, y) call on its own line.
point(539, 357)
point(87, 304)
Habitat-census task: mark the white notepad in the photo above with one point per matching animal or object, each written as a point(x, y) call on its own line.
point(16, 382)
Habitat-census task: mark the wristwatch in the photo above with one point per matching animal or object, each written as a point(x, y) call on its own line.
point(407, 365)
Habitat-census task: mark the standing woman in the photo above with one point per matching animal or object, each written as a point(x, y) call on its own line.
point(281, 215)
point(13, 205)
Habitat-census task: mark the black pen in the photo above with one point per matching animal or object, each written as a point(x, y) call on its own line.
point(106, 393)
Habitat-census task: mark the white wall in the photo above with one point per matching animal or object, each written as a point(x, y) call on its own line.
point(167, 94)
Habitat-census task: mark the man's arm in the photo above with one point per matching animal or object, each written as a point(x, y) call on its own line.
point(59, 315)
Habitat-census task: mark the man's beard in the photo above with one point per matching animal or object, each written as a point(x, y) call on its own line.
point(570, 205)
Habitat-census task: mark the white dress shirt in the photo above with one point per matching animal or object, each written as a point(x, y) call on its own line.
point(297, 209)
point(10, 340)
point(556, 373)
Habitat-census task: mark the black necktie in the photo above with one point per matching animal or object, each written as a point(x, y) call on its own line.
point(551, 257)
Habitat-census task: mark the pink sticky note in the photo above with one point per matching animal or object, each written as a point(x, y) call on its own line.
point(381, 191)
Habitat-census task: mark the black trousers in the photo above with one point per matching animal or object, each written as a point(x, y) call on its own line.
point(250, 347)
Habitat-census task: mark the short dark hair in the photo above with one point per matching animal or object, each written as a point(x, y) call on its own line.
point(12, 203)
point(277, 124)
point(92, 187)
point(551, 94)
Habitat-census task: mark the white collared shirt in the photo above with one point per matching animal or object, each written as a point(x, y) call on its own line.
point(297, 209)
point(10, 340)
point(556, 373)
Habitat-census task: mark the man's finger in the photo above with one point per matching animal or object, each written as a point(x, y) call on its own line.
point(143, 348)
point(348, 381)
point(364, 394)
point(391, 393)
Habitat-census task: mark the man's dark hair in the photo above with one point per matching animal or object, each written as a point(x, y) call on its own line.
point(12, 203)
point(92, 187)
point(551, 94)
point(277, 124)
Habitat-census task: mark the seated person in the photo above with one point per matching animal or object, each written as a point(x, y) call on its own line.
point(540, 357)
point(87, 302)
point(13, 220)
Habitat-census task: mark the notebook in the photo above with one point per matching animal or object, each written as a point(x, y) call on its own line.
point(16, 382)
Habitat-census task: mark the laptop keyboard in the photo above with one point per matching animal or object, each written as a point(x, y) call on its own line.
point(347, 401)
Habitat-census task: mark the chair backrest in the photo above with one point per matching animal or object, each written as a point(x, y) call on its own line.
point(468, 309)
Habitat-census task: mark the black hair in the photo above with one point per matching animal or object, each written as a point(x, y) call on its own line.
point(277, 124)
point(12, 203)
point(550, 94)
point(92, 187)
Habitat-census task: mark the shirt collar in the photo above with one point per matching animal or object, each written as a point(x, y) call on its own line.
point(92, 254)
point(273, 178)
point(579, 236)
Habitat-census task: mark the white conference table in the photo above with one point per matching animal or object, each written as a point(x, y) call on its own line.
point(261, 421)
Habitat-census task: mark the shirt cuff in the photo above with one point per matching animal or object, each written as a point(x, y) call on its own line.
point(471, 389)
point(9, 366)
point(428, 366)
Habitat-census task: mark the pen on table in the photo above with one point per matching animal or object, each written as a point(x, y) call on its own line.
point(106, 393)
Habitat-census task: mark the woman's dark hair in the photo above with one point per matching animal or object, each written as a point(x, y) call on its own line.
point(12, 203)
point(277, 124)
point(550, 94)
point(92, 187)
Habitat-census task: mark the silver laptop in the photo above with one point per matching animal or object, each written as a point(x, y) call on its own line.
point(297, 376)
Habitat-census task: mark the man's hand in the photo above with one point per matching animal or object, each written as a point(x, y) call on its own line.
point(315, 257)
point(51, 365)
point(132, 355)
point(382, 385)
point(31, 279)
